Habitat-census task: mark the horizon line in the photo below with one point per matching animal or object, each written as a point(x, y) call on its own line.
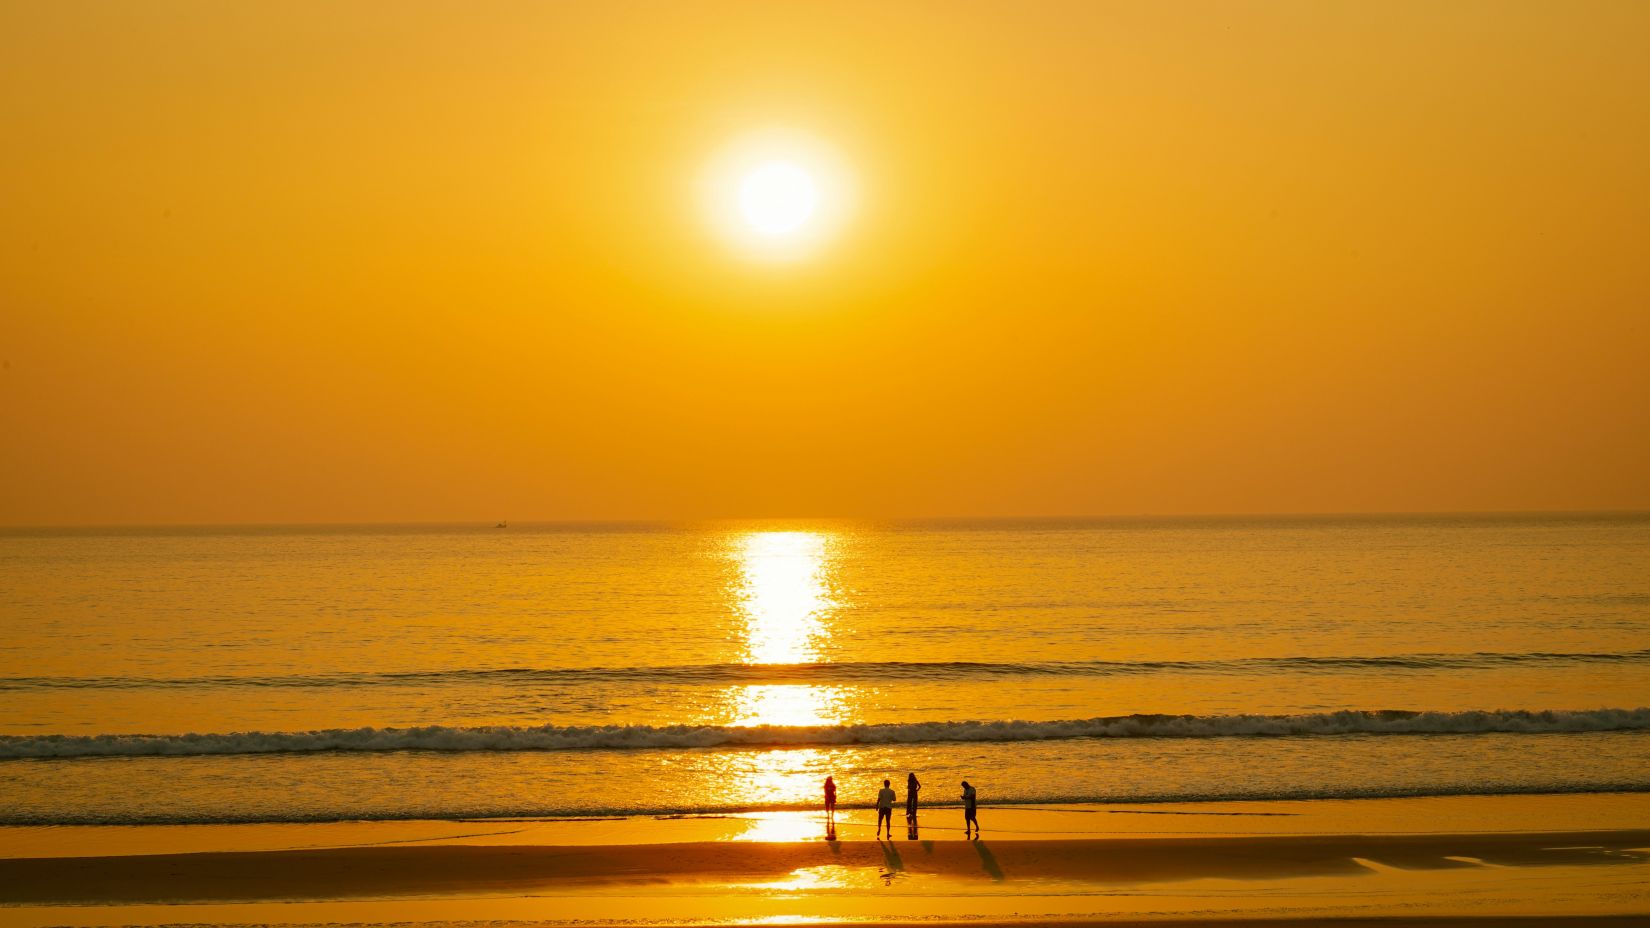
point(1234, 516)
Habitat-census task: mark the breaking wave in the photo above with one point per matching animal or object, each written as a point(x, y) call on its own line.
point(634, 737)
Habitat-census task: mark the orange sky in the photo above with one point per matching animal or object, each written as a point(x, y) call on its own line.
point(354, 262)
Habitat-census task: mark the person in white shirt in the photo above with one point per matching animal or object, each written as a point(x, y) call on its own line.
point(970, 810)
point(885, 809)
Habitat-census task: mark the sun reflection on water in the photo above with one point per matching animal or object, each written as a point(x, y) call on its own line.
point(785, 601)
point(789, 704)
point(774, 777)
point(784, 595)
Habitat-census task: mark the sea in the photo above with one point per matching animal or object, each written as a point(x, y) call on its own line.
point(455, 672)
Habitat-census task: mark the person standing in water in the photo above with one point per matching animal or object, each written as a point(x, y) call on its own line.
point(830, 799)
point(911, 787)
point(970, 810)
point(885, 809)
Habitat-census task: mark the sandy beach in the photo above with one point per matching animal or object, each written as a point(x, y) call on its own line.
point(1234, 862)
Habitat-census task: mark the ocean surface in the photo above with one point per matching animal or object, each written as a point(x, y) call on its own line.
point(452, 672)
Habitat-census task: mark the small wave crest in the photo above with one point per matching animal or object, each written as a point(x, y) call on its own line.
point(633, 737)
point(843, 672)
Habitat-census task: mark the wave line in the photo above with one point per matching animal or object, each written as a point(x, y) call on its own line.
point(642, 737)
point(839, 672)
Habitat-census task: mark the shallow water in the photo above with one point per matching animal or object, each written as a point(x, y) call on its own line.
point(557, 670)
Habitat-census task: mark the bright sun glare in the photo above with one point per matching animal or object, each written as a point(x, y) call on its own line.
point(777, 197)
point(778, 194)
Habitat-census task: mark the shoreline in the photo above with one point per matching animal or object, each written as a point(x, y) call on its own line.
point(1470, 814)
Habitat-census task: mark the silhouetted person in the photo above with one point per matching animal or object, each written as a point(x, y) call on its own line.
point(970, 810)
point(830, 800)
point(885, 809)
point(911, 787)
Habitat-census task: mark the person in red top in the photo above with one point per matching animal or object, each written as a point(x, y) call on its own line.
point(830, 799)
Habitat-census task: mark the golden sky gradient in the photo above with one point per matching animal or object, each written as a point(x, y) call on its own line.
point(367, 262)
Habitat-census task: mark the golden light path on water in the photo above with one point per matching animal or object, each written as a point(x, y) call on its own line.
point(784, 598)
point(783, 595)
point(786, 606)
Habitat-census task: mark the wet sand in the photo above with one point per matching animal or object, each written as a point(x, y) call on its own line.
point(370, 872)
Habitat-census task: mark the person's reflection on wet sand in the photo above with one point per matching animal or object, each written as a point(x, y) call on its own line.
point(892, 864)
point(988, 860)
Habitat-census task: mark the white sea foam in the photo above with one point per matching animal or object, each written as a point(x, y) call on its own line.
point(622, 737)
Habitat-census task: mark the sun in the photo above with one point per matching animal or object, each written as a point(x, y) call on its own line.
point(778, 195)
point(778, 198)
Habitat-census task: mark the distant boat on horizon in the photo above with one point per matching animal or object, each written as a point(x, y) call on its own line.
point(502, 525)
